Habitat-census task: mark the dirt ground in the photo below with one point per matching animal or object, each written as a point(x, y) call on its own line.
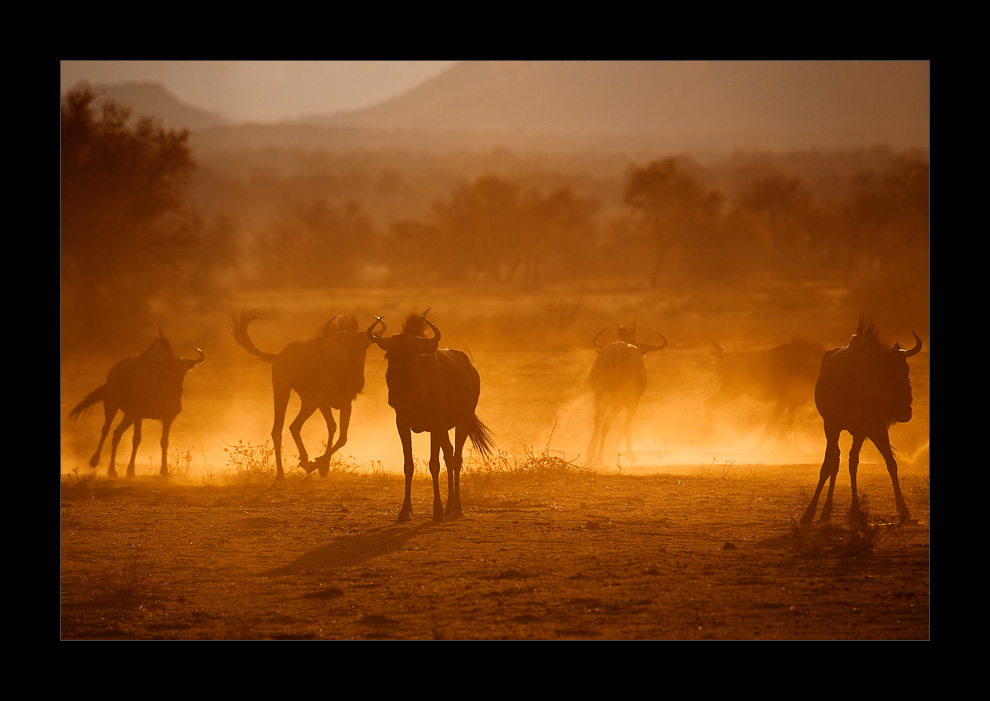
point(680, 554)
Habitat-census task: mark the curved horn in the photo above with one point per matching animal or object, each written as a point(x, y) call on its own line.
point(917, 347)
point(436, 332)
point(646, 347)
point(370, 333)
point(595, 340)
point(194, 362)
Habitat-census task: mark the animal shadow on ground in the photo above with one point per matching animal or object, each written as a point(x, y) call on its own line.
point(354, 549)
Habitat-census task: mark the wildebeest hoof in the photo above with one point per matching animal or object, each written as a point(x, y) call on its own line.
point(323, 467)
point(308, 466)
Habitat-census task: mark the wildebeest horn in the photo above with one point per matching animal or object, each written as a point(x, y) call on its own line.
point(436, 332)
point(370, 333)
point(194, 362)
point(917, 347)
point(595, 340)
point(654, 347)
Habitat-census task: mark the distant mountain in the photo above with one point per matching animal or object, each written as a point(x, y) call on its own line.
point(685, 104)
point(153, 100)
point(671, 106)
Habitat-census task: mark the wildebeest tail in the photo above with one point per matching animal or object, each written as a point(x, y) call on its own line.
point(239, 330)
point(481, 438)
point(93, 398)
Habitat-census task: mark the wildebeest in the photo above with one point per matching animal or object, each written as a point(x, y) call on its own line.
point(784, 375)
point(862, 388)
point(327, 372)
point(618, 380)
point(432, 390)
point(145, 386)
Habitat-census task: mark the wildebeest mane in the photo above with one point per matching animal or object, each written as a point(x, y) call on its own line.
point(868, 336)
point(337, 323)
point(415, 324)
point(160, 345)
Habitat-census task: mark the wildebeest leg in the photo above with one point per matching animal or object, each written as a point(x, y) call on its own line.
point(453, 457)
point(603, 421)
point(630, 415)
point(108, 414)
point(405, 435)
point(595, 437)
point(771, 427)
point(437, 439)
point(295, 428)
point(124, 424)
point(789, 420)
point(882, 441)
point(281, 402)
point(323, 462)
point(166, 427)
point(134, 447)
point(345, 423)
point(830, 467)
point(606, 425)
point(857, 445)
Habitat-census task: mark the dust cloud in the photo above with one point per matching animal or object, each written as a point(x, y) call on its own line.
point(524, 257)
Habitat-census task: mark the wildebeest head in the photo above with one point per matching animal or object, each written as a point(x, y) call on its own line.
point(159, 380)
point(403, 351)
point(627, 335)
point(888, 367)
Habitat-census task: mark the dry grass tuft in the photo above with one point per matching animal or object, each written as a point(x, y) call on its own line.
point(128, 580)
point(252, 464)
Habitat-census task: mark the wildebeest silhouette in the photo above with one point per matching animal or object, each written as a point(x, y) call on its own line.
point(145, 386)
point(862, 388)
point(327, 372)
point(784, 375)
point(618, 380)
point(432, 390)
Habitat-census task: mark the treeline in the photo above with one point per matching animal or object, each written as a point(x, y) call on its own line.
point(144, 215)
point(522, 222)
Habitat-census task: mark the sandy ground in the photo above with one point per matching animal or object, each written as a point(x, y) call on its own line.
point(683, 553)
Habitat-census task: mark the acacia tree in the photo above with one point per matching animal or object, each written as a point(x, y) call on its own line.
point(495, 230)
point(887, 213)
point(316, 244)
point(673, 207)
point(558, 227)
point(778, 213)
point(480, 228)
point(127, 225)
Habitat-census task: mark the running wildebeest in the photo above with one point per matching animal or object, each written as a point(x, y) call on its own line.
point(618, 380)
point(784, 375)
point(863, 388)
point(145, 386)
point(432, 390)
point(327, 372)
